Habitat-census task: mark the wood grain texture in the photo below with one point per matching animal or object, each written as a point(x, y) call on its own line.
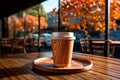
point(62, 52)
point(19, 67)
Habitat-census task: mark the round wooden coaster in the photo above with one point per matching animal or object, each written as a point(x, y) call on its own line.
point(46, 64)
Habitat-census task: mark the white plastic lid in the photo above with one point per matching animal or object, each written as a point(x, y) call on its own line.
point(63, 35)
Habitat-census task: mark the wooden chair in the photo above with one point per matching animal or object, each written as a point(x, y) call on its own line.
point(84, 45)
point(30, 43)
point(19, 43)
point(5, 44)
point(98, 47)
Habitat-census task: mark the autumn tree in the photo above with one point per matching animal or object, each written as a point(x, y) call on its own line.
point(89, 14)
point(30, 19)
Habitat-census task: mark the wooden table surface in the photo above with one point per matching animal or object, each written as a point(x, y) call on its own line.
point(19, 67)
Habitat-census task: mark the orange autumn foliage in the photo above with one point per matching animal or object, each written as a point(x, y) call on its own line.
point(30, 22)
point(90, 12)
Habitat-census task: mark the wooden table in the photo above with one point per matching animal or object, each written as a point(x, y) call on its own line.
point(113, 44)
point(19, 67)
point(116, 43)
point(103, 41)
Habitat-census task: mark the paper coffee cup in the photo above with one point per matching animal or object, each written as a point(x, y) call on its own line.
point(62, 48)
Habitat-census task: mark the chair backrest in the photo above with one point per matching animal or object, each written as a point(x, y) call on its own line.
point(98, 47)
point(16, 42)
point(5, 41)
point(19, 43)
point(84, 45)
